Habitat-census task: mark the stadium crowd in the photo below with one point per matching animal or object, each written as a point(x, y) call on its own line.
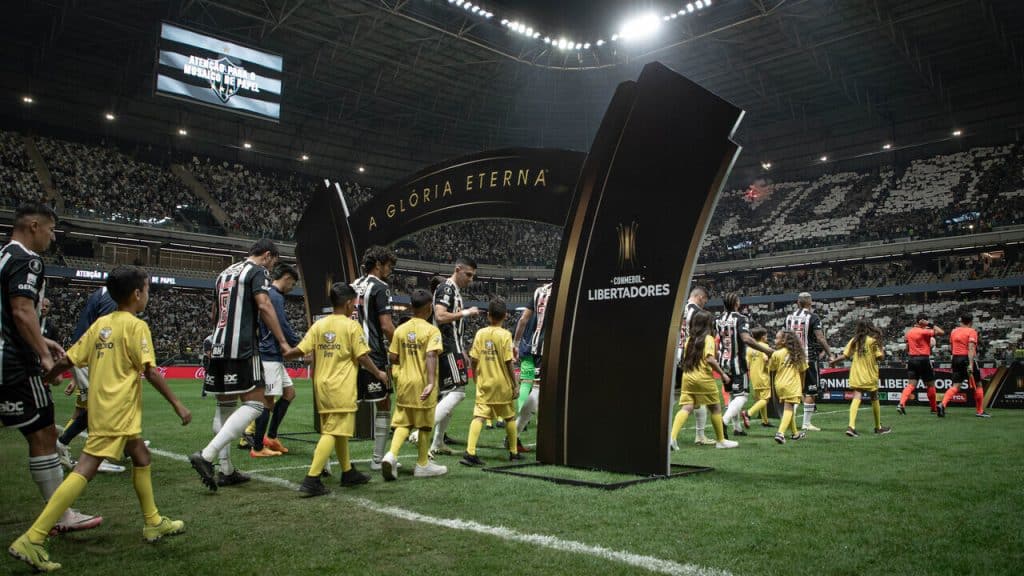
point(17, 176)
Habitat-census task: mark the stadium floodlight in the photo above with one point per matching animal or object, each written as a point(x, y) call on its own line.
point(699, 4)
point(640, 27)
point(109, 116)
point(689, 7)
point(459, 2)
point(562, 43)
point(475, 9)
point(468, 5)
point(489, 15)
point(666, 18)
point(504, 21)
point(824, 158)
point(600, 42)
point(957, 132)
point(304, 157)
point(673, 15)
point(766, 165)
point(529, 31)
point(887, 146)
point(547, 40)
point(586, 45)
point(182, 132)
point(579, 45)
point(536, 35)
point(246, 145)
point(362, 169)
point(27, 99)
point(707, 3)
point(615, 37)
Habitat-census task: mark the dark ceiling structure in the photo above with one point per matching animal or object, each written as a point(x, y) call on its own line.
point(395, 85)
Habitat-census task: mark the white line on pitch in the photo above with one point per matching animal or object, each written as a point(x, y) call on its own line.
point(636, 560)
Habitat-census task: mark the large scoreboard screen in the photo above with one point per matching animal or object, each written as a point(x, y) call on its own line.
point(218, 73)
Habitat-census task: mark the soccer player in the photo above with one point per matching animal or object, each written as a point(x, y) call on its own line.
point(338, 349)
point(789, 364)
point(449, 317)
point(964, 341)
point(25, 401)
point(279, 383)
point(919, 363)
point(529, 341)
point(495, 384)
point(235, 368)
point(699, 385)
point(117, 347)
point(866, 351)
point(807, 326)
point(373, 307)
point(734, 339)
point(414, 352)
point(695, 303)
point(757, 363)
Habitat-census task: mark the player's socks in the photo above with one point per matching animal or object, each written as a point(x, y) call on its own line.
point(474, 436)
point(854, 406)
point(142, 480)
point(224, 411)
point(808, 412)
point(259, 430)
point(423, 443)
point(732, 413)
point(787, 420)
point(931, 397)
point(381, 425)
point(401, 435)
point(526, 412)
point(321, 455)
point(341, 450)
point(62, 499)
point(280, 409)
point(701, 420)
point(74, 427)
point(524, 393)
point(757, 408)
point(510, 433)
point(443, 416)
point(46, 473)
point(716, 423)
point(232, 428)
point(948, 396)
point(876, 411)
point(979, 399)
point(678, 422)
point(908, 392)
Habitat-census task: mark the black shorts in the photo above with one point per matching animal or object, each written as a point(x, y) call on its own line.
point(25, 403)
point(369, 389)
point(452, 372)
point(960, 370)
point(739, 384)
point(920, 368)
point(234, 376)
point(811, 379)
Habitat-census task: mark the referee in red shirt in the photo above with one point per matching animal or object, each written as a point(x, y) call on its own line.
point(919, 363)
point(964, 341)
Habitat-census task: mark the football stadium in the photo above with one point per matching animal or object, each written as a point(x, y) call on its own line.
point(709, 287)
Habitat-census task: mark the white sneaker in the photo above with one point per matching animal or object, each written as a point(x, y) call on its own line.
point(811, 428)
point(111, 468)
point(389, 467)
point(430, 469)
point(72, 521)
point(374, 465)
point(703, 441)
point(727, 444)
point(64, 455)
point(146, 442)
point(674, 445)
point(414, 437)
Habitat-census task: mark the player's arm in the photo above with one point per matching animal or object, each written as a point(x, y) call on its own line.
point(60, 367)
point(286, 327)
point(938, 331)
point(443, 316)
point(749, 341)
point(370, 367)
point(157, 380)
point(840, 358)
point(524, 320)
point(819, 335)
point(710, 359)
point(23, 311)
point(387, 325)
point(305, 346)
point(510, 372)
point(269, 318)
point(972, 351)
point(431, 364)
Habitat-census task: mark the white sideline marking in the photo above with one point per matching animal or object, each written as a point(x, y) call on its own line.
point(636, 560)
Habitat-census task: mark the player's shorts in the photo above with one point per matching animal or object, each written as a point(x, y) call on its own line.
point(739, 384)
point(276, 376)
point(505, 411)
point(369, 389)
point(812, 379)
point(338, 424)
point(108, 447)
point(920, 368)
point(870, 386)
point(453, 372)
point(25, 404)
point(961, 370)
point(529, 368)
point(234, 376)
point(699, 398)
point(763, 393)
point(791, 400)
point(419, 418)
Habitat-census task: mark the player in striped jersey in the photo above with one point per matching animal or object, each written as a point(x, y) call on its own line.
point(807, 326)
point(734, 334)
point(449, 317)
point(235, 369)
point(529, 348)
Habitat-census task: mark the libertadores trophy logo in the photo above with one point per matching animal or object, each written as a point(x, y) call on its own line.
point(627, 245)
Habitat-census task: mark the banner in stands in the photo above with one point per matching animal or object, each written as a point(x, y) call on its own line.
point(835, 386)
point(218, 73)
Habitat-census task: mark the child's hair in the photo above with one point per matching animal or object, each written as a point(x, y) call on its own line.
point(497, 309)
point(420, 298)
point(341, 293)
point(862, 329)
point(123, 281)
point(792, 343)
point(758, 332)
point(700, 328)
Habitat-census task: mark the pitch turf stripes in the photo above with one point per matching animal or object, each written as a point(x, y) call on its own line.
point(650, 563)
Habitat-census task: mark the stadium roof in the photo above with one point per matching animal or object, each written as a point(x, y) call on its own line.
point(398, 84)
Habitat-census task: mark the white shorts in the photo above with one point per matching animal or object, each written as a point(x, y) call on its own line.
point(276, 377)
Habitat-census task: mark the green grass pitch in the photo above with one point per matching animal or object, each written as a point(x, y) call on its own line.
point(934, 497)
